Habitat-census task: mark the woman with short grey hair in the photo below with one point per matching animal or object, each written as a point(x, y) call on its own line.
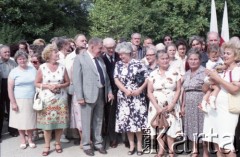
point(21, 92)
point(131, 115)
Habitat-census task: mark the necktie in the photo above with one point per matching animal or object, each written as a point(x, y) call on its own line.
point(111, 59)
point(100, 71)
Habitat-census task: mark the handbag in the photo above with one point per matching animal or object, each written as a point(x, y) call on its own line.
point(233, 100)
point(37, 102)
point(139, 78)
point(159, 121)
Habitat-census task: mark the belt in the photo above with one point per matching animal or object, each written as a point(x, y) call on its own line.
point(193, 90)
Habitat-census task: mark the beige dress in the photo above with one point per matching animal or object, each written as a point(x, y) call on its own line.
point(164, 91)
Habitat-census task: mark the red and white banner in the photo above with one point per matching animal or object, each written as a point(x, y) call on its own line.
point(225, 27)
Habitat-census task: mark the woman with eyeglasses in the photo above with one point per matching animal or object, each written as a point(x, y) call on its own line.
point(167, 39)
point(36, 60)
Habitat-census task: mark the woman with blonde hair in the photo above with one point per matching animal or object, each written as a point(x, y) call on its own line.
point(222, 122)
point(53, 79)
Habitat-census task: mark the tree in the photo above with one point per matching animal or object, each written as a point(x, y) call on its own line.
point(156, 18)
point(45, 18)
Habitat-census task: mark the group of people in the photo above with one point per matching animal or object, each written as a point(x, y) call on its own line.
point(119, 87)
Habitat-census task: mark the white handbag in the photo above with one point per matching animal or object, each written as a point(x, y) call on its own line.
point(233, 100)
point(38, 103)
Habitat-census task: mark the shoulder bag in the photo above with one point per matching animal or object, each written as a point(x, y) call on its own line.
point(233, 100)
point(38, 103)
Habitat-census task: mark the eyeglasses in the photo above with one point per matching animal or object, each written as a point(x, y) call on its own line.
point(110, 48)
point(195, 44)
point(34, 62)
point(167, 39)
point(150, 55)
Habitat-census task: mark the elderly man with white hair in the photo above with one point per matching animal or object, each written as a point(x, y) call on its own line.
point(213, 38)
point(110, 58)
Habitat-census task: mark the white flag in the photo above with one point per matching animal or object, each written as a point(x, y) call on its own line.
point(225, 27)
point(213, 21)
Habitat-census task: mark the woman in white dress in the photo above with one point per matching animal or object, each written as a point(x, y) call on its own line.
point(221, 122)
point(164, 86)
point(174, 62)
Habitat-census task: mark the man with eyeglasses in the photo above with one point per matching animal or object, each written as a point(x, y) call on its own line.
point(110, 58)
point(136, 40)
point(147, 42)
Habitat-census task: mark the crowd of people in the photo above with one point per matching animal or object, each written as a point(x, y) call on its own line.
point(97, 88)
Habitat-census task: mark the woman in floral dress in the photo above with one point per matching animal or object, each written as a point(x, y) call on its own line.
point(164, 86)
point(192, 97)
point(53, 79)
point(131, 114)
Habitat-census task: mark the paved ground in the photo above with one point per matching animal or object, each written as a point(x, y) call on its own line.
point(10, 148)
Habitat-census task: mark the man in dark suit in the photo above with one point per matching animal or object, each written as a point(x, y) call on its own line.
point(110, 58)
point(91, 86)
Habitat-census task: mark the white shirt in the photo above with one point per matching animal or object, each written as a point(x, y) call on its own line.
point(61, 58)
point(177, 65)
point(92, 57)
point(69, 63)
point(210, 64)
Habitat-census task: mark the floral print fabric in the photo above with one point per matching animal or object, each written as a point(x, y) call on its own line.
point(55, 112)
point(131, 114)
point(164, 87)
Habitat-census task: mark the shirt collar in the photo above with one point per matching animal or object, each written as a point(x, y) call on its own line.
point(91, 56)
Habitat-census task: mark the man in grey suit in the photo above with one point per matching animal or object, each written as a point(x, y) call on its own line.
point(92, 88)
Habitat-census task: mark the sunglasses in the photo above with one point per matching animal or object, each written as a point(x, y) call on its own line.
point(34, 62)
point(147, 55)
point(167, 39)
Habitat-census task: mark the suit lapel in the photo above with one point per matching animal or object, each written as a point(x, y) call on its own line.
point(90, 62)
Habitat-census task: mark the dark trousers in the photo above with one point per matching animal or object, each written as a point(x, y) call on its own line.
point(237, 138)
point(110, 118)
point(5, 104)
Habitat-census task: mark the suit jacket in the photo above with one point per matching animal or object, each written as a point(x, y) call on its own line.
point(86, 81)
point(110, 69)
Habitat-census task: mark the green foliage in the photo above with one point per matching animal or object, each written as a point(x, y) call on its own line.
point(44, 18)
point(10, 34)
point(156, 18)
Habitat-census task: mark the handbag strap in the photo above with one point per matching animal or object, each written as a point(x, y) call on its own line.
point(230, 76)
point(41, 87)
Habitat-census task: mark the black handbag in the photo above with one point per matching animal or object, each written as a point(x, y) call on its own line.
point(139, 78)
